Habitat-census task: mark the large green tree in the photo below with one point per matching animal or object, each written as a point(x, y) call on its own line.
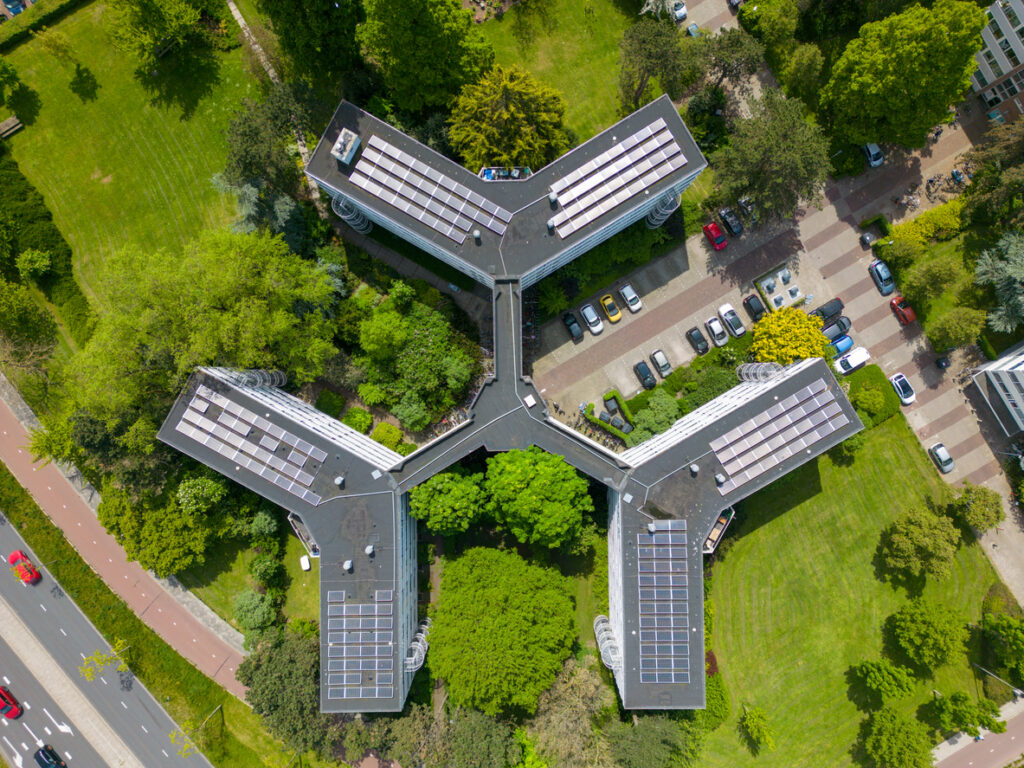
point(778, 156)
point(788, 334)
point(956, 327)
point(649, 50)
point(508, 118)
point(979, 507)
point(898, 77)
point(895, 740)
point(27, 332)
point(1002, 267)
point(732, 54)
point(426, 50)
point(537, 496)
point(501, 631)
point(927, 280)
point(647, 741)
point(960, 712)
point(1006, 633)
point(8, 77)
point(283, 679)
point(884, 679)
point(147, 29)
point(920, 542)
point(563, 727)
point(318, 35)
point(996, 193)
point(929, 632)
point(449, 502)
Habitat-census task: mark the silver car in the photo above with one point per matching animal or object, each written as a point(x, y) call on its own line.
point(591, 318)
point(940, 455)
point(630, 298)
point(661, 364)
point(716, 331)
point(903, 388)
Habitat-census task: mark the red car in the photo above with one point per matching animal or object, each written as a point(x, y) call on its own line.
point(714, 235)
point(8, 706)
point(904, 312)
point(23, 567)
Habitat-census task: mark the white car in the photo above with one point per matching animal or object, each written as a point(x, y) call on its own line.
point(874, 154)
point(679, 11)
point(940, 455)
point(591, 318)
point(630, 298)
point(855, 358)
point(716, 331)
point(903, 388)
point(732, 320)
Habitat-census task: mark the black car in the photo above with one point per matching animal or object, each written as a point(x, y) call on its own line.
point(697, 341)
point(572, 326)
point(46, 757)
point(829, 310)
point(838, 327)
point(755, 307)
point(731, 221)
point(643, 372)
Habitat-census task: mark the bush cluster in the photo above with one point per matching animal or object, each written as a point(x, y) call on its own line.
point(330, 403)
point(358, 418)
point(939, 223)
point(872, 395)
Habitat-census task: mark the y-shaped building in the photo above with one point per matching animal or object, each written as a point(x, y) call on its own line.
point(347, 496)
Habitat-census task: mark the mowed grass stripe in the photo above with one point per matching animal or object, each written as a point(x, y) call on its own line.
point(797, 600)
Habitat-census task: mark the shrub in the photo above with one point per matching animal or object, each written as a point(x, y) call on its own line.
point(939, 223)
point(358, 418)
point(267, 571)
point(330, 403)
point(872, 378)
point(263, 525)
point(717, 708)
point(254, 611)
point(387, 435)
point(404, 449)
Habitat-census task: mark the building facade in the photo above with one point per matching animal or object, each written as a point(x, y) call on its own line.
point(1001, 383)
point(999, 79)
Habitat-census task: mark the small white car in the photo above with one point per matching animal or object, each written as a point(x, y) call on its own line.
point(732, 320)
point(591, 318)
point(855, 358)
point(874, 154)
point(940, 455)
point(716, 331)
point(903, 388)
point(679, 11)
point(630, 298)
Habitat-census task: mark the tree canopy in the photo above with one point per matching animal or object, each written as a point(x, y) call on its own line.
point(898, 77)
point(147, 29)
point(960, 712)
point(1002, 267)
point(885, 680)
point(28, 333)
point(731, 54)
point(319, 36)
point(996, 193)
point(449, 502)
point(649, 49)
point(1006, 633)
point(956, 327)
point(895, 740)
point(502, 629)
point(778, 157)
point(979, 507)
point(928, 632)
point(508, 118)
point(757, 729)
point(426, 50)
point(8, 77)
point(788, 334)
point(537, 496)
point(920, 542)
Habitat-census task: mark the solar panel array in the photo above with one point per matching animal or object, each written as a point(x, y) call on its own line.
point(616, 175)
point(426, 194)
point(664, 612)
point(785, 429)
point(252, 442)
point(360, 647)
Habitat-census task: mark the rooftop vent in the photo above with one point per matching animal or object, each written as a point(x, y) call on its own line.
point(720, 479)
point(553, 198)
point(476, 236)
point(694, 469)
point(651, 527)
point(369, 549)
point(551, 225)
point(345, 147)
point(347, 566)
point(340, 481)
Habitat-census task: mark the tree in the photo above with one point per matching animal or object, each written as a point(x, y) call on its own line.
point(8, 77)
point(788, 334)
point(732, 54)
point(926, 280)
point(514, 619)
point(147, 29)
point(98, 661)
point(1006, 633)
point(959, 712)
point(899, 76)
point(254, 611)
point(901, 253)
point(956, 327)
point(928, 632)
point(57, 44)
point(426, 50)
point(563, 728)
point(282, 675)
point(920, 542)
point(1002, 267)
point(977, 506)
point(537, 496)
point(885, 680)
point(802, 74)
point(198, 494)
point(996, 193)
point(661, 412)
point(32, 263)
point(773, 22)
point(318, 35)
point(647, 742)
point(649, 49)
point(757, 729)
point(777, 156)
point(449, 502)
point(475, 740)
point(28, 333)
point(897, 741)
point(508, 119)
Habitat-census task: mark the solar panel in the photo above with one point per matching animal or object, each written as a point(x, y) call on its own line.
point(663, 606)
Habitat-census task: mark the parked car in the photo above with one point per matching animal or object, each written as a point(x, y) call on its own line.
point(731, 221)
point(883, 278)
point(660, 362)
point(589, 315)
point(611, 309)
point(755, 307)
point(714, 235)
point(14, 6)
point(829, 310)
point(874, 154)
point(840, 345)
point(679, 11)
point(693, 30)
point(851, 360)
point(838, 327)
point(903, 388)
point(866, 239)
point(643, 372)
point(630, 298)
point(940, 455)
point(572, 326)
point(735, 4)
point(23, 567)
point(697, 341)
point(716, 331)
point(47, 757)
point(8, 706)
point(732, 320)
point(904, 312)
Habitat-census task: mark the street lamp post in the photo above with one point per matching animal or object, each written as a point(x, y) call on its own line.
point(1017, 692)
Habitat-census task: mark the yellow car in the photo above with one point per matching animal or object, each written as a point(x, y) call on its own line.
point(610, 308)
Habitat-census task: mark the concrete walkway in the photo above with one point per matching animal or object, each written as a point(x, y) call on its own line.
point(182, 620)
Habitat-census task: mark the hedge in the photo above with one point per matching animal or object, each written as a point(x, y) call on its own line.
point(871, 376)
point(881, 220)
point(940, 223)
point(42, 13)
point(358, 418)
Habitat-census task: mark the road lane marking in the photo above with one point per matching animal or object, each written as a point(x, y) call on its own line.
point(143, 728)
point(17, 755)
point(48, 731)
point(38, 741)
point(62, 727)
point(62, 631)
point(43, 607)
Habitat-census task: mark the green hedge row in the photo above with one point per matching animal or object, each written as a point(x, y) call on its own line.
point(42, 13)
point(623, 408)
point(881, 220)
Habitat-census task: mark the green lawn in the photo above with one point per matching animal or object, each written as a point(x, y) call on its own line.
point(797, 600)
point(574, 51)
point(117, 164)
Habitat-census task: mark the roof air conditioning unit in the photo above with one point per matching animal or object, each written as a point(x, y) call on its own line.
point(345, 147)
point(369, 549)
point(720, 479)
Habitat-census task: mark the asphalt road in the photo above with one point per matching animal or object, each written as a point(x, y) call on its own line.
point(112, 715)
